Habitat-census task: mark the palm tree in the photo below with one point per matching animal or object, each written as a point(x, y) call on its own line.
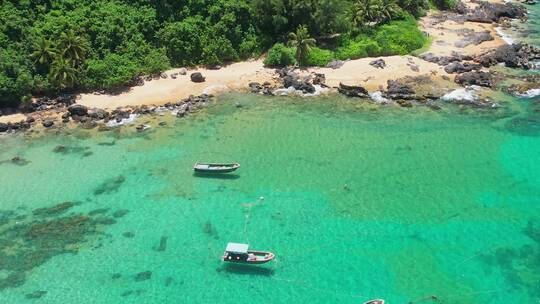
point(303, 43)
point(373, 12)
point(44, 52)
point(63, 74)
point(367, 12)
point(72, 46)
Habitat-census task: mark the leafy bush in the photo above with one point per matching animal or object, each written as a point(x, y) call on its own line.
point(279, 56)
point(112, 71)
point(319, 57)
point(444, 4)
point(399, 37)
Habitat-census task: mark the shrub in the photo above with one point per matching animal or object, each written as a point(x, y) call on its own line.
point(399, 37)
point(279, 56)
point(319, 57)
point(444, 4)
point(112, 71)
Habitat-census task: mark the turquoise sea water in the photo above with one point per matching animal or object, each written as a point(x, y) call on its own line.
point(359, 202)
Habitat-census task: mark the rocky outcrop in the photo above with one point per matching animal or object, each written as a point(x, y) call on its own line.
point(482, 79)
point(399, 91)
point(197, 77)
point(3, 127)
point(291, 79)
point(353, 91)
point(489, 12)
point(458, 67)
point(474, 38)
point(444, 60)
point(515, 56)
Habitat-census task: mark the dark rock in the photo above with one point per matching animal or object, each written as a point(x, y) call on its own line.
point(197, 77)
point(47, 123)
point(397, 91)
point(116, 276)
point(163, 76)
point(335, 64)
point(90, 124)
point(404, 103)
point(78, 109)
point(162, 123)
point(379, 63)
point(98, 114)
point(214, 67)
point(458, 67)
point(3, 127)
point(319, 79)
point(182, 71)
point(474, 78)
point(474, 38)
point(353, 91)
point(255, 87)
point(30, 119)
point(143, 276)
point(489, 12)
point(515, 56)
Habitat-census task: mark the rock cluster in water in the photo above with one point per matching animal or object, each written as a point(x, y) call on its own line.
point(29, 239)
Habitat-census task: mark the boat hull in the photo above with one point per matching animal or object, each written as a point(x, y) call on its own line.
point(215, 168)
point(267, 257)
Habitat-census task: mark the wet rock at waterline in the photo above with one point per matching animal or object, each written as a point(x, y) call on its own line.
point(353, 91)
point(396, 91)
point(78, 109)
point(482, 79)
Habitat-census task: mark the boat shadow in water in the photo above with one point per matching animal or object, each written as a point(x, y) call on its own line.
point(216, 176)
point(247, 270)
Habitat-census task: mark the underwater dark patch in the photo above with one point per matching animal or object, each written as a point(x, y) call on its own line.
point(143, 276)
point(36, 294)
point(110, 185)
point(128, 234)
point(61, 149)
point(54, 210)
point(120, 213)
point(116, 276)
point(520, 266)
point(162, 244)
point(209, 229)
point(29, 240)
point(98, 211)
point(107, 143)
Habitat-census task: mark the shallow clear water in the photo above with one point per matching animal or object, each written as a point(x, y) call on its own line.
point(360, 202)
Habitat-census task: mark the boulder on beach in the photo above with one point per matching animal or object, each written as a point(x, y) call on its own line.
point(3, 127)
point(458, 67)
point(518, 55)
point(197, 77)
point(379, 63)
point(77, 109)
point(47, 123)
point(335, 64)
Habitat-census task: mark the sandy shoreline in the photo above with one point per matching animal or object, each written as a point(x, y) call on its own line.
point(444, 34)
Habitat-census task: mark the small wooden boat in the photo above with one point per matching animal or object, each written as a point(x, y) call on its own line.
point(215, 168)
point(240, 253)
point(376, 301)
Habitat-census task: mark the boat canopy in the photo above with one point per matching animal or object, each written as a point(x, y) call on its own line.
point(237, 248)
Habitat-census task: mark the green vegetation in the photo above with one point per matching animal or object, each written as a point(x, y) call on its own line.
point(51, 46)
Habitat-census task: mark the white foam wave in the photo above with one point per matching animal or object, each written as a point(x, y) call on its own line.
point(378, 98)
point(216, 89)
point(124, 121)
point(529, 93)
point(464, 94)
point(504, 36)
point(291, 91)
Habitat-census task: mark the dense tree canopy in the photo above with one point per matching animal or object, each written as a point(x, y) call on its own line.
point(47, 46)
